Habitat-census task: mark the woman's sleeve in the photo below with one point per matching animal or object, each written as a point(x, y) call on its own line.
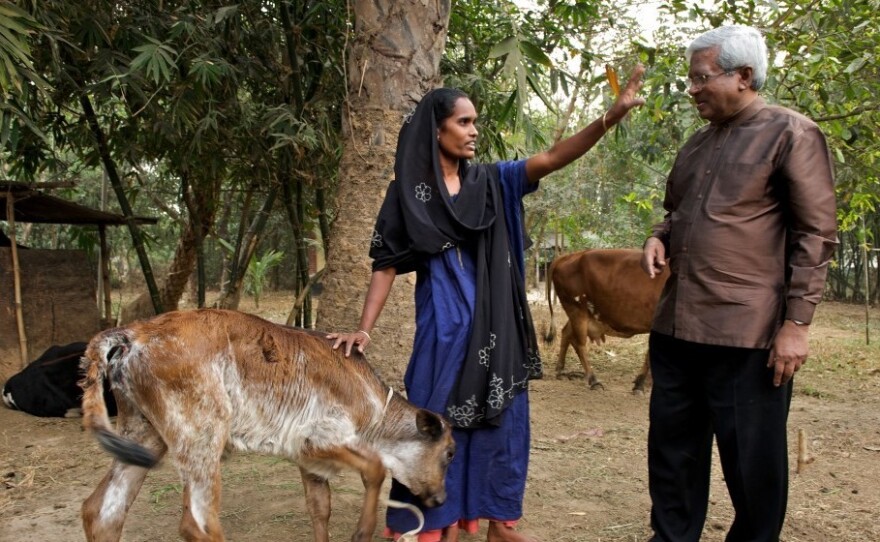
point(514, 182)
point(515, 185)
point(389, 242)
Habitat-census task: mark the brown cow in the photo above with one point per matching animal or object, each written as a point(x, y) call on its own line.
point(603, 292)
point(194, 383)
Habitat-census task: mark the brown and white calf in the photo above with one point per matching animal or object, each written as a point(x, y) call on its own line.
point(191, 384)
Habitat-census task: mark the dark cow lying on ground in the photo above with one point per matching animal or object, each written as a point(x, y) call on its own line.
point(193, 383)
point(48, 386)
point(603, 292)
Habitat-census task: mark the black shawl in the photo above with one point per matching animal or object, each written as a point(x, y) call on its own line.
point(418, 219)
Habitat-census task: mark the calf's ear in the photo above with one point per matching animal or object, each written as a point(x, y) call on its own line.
point(429, 424)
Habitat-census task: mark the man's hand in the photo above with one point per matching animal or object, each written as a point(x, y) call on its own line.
point(789, 352)
point(653, 257)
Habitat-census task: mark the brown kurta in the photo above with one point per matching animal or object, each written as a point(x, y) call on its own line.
point(749, 230)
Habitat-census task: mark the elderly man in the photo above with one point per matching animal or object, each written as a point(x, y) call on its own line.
point(748, 233)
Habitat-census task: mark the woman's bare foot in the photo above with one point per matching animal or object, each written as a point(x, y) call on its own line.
point(499, 532)
point(450, 534)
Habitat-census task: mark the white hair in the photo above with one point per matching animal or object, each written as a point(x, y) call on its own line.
point(738, 46)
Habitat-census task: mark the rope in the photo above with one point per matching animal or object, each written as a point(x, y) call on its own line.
point(387, 401)
point(412, 535)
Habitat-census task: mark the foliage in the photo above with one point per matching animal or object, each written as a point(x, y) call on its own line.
point(18, 78)
point(512, 57)
point(258, 273)
point(225, 103)
point(195, 98)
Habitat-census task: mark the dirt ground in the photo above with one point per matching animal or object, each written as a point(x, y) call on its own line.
point(587, 478)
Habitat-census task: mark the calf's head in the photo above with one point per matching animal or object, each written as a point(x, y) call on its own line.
point(421, 463)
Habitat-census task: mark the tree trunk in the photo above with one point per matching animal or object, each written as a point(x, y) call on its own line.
point(858, 262)
point(293, 187)
point(223, 233)
point(393, 60)
point(231, 294)
point(201, 205)
point(875, 258)
point(293, 205)
point(839, 277)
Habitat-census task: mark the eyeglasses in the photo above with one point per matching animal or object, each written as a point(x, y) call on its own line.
point(700, 81)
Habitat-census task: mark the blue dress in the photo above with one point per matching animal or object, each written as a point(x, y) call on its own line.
point(486, 479)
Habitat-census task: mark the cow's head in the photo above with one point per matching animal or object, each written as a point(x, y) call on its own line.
point(420, 464)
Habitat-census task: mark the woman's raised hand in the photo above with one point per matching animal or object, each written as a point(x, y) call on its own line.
point(628, 98)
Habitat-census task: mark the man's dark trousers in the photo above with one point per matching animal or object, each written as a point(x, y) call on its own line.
point(703, 390)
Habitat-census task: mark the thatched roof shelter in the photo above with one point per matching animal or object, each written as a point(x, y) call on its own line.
point(31, 204)
point(49, 296)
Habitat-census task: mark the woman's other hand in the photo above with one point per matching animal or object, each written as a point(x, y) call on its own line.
point(358, 338)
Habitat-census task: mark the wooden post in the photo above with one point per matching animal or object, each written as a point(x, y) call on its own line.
point(867, 297)
point(16, 278)
point(803, 456)
point(107, 320)
point(867, 283)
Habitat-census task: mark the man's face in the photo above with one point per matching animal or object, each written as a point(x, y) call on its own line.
point(718, 95)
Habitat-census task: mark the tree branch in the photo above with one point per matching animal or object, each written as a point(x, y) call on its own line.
point(853, 113)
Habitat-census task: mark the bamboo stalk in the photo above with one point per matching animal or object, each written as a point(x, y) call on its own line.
point(16, 279)
point(302, 295)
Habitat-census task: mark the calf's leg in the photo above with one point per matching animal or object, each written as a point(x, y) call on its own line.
point(318, 503)
point(104, 511)
point(372, 475)
point(201, 507)
point(372, 472)
point(199, 440)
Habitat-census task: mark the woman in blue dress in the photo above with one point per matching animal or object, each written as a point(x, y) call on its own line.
point(459, 226)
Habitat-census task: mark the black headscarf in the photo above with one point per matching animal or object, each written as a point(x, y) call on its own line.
point(419, 219)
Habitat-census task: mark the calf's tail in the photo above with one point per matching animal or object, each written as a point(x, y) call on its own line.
point(104, 355)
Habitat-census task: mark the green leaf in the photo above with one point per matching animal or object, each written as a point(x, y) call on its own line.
point(855, 65)
point(533, 52)
point(21, 118)
point(512, 63)
point(156, 60)
point(505, 47)
point(536, 88)
point(225, 12)
point(508, 107)
point(9, 45)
